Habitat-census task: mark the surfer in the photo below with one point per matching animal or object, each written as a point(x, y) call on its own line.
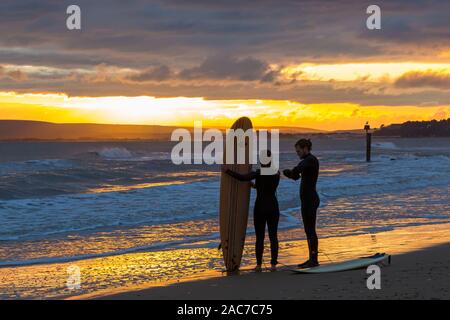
point(266, 211)
point(308, 168)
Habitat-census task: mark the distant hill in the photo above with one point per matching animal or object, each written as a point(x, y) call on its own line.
point(350, 131)
point(288, 131)
point(431, 128)
point(38, 130)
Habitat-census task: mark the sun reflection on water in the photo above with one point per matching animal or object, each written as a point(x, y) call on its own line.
point(143, 269)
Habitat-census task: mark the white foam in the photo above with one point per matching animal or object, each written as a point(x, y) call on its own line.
point(82, 212)
point(115, 153)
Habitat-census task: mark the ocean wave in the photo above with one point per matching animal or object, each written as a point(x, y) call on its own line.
point(123, 154)
point(87, 212)
point(385, 145)
point(87, 194)
point(35, 165)
point(115, 153)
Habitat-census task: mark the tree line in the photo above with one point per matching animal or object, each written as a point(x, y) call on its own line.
point(433, 128)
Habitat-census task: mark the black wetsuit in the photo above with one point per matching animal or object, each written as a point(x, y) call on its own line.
point(266, 211)
point(308, 168)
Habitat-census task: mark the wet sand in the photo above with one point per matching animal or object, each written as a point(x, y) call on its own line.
point(423, 274)
point(183, 272)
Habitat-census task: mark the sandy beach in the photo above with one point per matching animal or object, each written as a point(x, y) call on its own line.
point(423, 274)
point(147, 147)
point(420, 268)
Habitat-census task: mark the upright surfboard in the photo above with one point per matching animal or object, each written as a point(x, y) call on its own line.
point(234, 204)
point(347, 265)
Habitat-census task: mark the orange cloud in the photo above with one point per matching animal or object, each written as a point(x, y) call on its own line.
point(424, 79)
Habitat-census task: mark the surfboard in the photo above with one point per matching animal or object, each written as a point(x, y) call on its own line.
point(234, 204)
point(347, 265)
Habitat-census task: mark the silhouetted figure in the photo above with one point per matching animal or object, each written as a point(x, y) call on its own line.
point(266, 211)
point(308, 169)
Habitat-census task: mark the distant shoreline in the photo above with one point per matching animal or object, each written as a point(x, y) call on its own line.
point(24, 130)
point(38, 131)
point(83, 140)
point(282, 136)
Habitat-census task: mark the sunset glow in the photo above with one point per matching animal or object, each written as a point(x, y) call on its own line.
point(331, 75)
point(184, 111)
point(377, 72)
point(209, 150)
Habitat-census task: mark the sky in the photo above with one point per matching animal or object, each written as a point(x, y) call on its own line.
point(295, 63)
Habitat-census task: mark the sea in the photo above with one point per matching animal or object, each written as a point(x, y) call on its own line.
point(124, 213)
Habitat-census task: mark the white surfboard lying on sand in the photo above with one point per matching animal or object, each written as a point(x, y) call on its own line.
point(347, 265)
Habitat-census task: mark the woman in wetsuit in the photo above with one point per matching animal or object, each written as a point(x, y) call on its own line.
point(266, 211)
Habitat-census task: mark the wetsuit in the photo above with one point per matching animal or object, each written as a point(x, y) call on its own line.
point(308, 168)
point(266, 211)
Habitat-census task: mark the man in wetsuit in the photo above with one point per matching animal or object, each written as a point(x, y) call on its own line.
point(308, 168)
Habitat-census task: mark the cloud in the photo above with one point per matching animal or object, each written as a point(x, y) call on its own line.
point(216, 68)
point(159, 73)
point(179, 33)
point(440, 114)
point(424, 79)
point(17, 75)
point(222, 49)
point(311, 92)
point(355, 113)
point(230, 68)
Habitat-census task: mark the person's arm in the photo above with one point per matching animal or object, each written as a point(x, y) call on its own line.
point(242, 177)
point(295, 173)
point(290, 174)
